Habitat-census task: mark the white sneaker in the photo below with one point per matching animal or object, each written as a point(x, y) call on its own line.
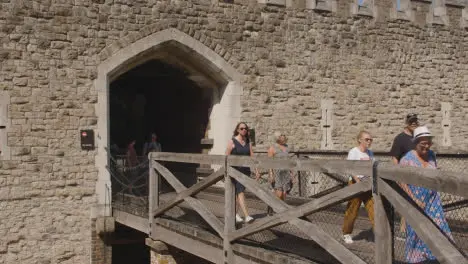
point(348, 239)
point(239, 219)
point(248, 219)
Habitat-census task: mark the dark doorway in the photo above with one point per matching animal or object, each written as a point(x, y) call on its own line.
point(158, 97)
point(128, 246)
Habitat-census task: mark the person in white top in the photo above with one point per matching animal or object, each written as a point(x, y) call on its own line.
point(361, 152)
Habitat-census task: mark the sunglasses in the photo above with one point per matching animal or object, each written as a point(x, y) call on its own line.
point(425, 144)
point(243, 128)
point(368, 139)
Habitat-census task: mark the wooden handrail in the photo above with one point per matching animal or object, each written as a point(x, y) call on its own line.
point(440, 180)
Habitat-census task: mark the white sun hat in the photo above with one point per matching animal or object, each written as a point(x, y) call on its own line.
point(421, 131)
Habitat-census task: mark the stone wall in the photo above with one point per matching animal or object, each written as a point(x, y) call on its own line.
point(372, 69)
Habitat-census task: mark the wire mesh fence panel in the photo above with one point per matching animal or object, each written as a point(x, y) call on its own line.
point(129, 185)
point(314, 184)
point(456, 207)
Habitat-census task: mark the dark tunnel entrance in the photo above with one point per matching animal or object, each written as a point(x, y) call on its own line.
point(157, 97)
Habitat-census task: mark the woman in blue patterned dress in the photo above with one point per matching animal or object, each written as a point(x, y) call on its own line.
point(416, 251)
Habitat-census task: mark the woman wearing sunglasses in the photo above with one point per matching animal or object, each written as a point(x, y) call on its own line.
point(416, 251)
point(240, 145)
point(361, 152)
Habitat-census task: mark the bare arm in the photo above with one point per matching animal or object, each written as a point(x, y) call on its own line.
point(230, 146)
point(394, 160)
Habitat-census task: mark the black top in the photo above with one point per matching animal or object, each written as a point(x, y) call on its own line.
point(239, 149)
point(401, 145)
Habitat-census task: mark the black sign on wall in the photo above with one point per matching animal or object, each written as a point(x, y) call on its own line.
point(87, 139)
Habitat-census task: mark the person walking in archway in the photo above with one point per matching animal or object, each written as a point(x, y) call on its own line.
point(361, 152)
point(240, 145)
point(152, 146)
point(131, 155)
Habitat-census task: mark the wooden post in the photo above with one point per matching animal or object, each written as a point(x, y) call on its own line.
point(383, 223)
point(153, 195)
point(229, 216)
point(383, 230)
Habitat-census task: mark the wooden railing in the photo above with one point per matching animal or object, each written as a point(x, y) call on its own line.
point(387, 195)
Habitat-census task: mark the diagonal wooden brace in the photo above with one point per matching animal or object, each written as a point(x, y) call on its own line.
point(335, 248)
point(198, 206)
point(318, 204)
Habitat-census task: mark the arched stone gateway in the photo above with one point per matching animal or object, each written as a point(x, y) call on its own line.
point(203, 66)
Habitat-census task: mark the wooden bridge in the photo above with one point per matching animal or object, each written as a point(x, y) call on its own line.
point(199, 217)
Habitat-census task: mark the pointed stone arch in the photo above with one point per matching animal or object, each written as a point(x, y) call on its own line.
point(226, 107)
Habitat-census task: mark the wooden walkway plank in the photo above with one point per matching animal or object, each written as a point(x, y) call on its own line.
point(321, 203)
point(439, 244)
point(193, 190)
point(198, 206)
point(335, 248)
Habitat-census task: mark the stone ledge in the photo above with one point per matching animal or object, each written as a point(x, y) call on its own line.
point(457, 3)
point(437, 16)
point(405, 13)
point(273, 2)
point(367, 10)
point(322, 5)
